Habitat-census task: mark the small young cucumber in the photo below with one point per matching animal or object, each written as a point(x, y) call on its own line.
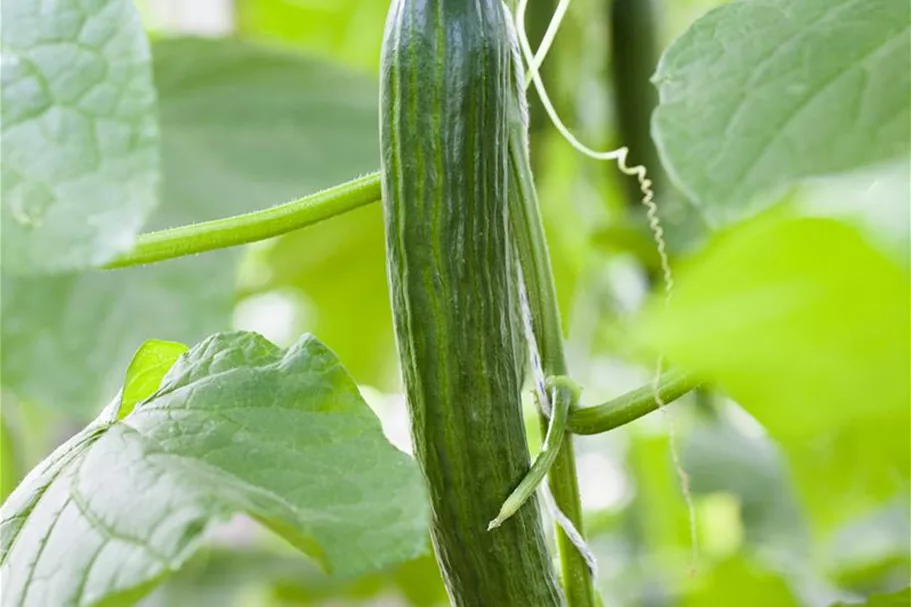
point(444, 77)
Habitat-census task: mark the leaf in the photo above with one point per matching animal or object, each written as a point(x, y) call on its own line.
point(804, 323)
point(80, 139)
point(149, 365)
point(248, 126)
point(740, 582)
point(899, 598)
point(719, 457)
point(238, 425)
point(9, 460)
point(873, 552)
point(875, 200)
point(347, 31)
point(82, 329)
point(217, 575)
point(242, 128)
point(801, 320)
point(255, 124)
point(760, 94)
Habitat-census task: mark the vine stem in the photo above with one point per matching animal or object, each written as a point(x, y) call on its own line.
point(534, 259)
point(632, 405)
point(251, 227)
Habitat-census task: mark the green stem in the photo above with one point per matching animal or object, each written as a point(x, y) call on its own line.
point(251, 227)
point(531, 243)
point(631, 406)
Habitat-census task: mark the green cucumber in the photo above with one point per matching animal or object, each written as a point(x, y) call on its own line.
point(445, 70)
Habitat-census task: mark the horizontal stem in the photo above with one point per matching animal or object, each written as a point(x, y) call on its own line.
point(631, 406)
point(251, 227)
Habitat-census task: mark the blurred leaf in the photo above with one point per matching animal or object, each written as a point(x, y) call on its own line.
point(223, 576)
point(259, 125)
point(799, 319)
point(80, 139)
point(657, 523)
point(742, 583)
point(348, 31)
point(804, 324)
point(282, 435)
point(249, 127)
point(148, 367)
point(9, 460)
point(871, 554)
point(626, 238)
point(797, 88)
point(243, 128)
point(719, 456)
point(82, 329)
point(900, 598)
point(875, 200)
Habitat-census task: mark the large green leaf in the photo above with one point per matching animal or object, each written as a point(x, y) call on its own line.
point(243, 128)
point(758, 94)
point(805, 323)
point(237, 425)
point(801, 320)
point(80, 138)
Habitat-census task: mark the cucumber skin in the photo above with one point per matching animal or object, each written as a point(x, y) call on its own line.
point(445, 71)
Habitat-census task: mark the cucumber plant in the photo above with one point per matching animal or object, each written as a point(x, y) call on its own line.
point(235, 424)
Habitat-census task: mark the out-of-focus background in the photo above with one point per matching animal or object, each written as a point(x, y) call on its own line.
point(263, 101)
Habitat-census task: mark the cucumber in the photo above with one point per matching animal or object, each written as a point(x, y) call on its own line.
point(445, 70)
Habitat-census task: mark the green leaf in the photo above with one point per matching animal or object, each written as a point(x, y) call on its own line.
point(148, 367)
point(805, 324)
point(9, 460)
point(238, 425)
point(801, 320)
point(760, 94)
point(255, 124)
point(82, 329)
point(899, 598)
point(347, 31)
point(80, 139)
point(873, 552)
point(247, 126)
point(740, 582)
point(243, 128)
point(875, 200)
point(720, 457)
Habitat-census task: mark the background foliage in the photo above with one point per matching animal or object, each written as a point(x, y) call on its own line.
point(783, 123)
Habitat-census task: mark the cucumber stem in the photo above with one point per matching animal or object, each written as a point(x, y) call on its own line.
point(528, 231)
point(632, 405)
point(251, 227)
